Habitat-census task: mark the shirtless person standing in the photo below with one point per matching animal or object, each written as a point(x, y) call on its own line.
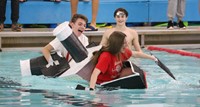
point(121, 15)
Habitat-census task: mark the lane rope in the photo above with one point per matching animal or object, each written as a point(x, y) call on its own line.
point(173, 51)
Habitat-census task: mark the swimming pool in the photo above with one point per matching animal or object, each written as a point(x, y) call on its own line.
point(162, 90)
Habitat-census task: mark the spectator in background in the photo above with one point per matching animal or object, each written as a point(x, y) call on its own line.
point(14, 15)
point(95, 6)
point(176, 7)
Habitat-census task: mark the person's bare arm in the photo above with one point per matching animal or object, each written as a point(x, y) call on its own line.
point(46, 51)
point(93, 78)
point(105, 37)
point(137, 54)
point(136, 42)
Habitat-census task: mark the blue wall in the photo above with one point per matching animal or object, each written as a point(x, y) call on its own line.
point(44, 12)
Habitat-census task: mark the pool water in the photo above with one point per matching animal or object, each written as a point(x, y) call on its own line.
point(162, 90)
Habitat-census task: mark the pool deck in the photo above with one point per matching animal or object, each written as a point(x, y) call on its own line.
point(39, 37)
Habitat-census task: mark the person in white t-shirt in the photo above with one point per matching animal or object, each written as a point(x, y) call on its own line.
point(78, 24)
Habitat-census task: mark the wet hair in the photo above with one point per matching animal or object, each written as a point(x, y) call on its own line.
point(77, 16)
point(121, 10)
point(115, 43)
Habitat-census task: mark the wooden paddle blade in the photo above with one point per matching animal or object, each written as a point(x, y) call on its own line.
point(165, 68)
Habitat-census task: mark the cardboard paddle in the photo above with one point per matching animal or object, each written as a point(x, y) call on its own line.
point(165, 68)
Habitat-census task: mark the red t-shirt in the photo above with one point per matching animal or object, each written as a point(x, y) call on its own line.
point(110, 66)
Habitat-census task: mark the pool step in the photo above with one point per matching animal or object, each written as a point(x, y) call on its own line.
point(39, 37)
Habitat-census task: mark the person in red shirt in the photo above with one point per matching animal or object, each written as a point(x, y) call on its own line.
point(108, 59)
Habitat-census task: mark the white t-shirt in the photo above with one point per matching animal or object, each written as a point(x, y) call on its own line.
point(58, 47)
